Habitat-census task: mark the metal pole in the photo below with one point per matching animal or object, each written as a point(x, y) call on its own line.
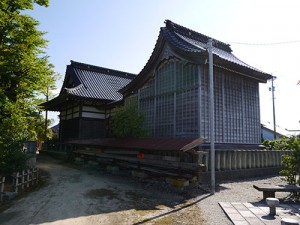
point(212, 117)
point(273, 100)
point(46, 114)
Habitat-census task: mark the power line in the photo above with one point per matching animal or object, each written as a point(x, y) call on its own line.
point(270, 43)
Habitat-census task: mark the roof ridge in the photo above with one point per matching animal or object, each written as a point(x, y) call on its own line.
point(104, 70)
point(196, 35)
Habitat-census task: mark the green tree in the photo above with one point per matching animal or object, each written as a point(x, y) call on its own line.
point(25, 73)
point(127, 121)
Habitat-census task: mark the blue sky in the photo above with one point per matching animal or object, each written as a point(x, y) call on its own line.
point(121, 35)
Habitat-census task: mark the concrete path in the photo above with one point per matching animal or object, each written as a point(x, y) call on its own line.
point(257, 213)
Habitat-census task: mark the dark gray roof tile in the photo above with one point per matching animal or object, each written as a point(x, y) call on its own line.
point(98, 82)
point(193, 42)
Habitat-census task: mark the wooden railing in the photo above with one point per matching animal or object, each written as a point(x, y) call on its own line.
point(2, 182)
point(25, 178)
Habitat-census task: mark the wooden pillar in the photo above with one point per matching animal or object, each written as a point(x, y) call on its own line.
point(16, 177)
point(23, 178)
point(154, 107)
point(199, 101)
point(2, 188)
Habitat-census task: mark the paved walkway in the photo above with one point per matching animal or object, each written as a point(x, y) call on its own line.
point(257, 213)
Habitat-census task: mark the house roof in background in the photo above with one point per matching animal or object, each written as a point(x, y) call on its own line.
point(279, 131)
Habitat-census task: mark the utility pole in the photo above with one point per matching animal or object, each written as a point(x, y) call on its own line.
point(46, 114)
point(212, 117)
point(273, 101)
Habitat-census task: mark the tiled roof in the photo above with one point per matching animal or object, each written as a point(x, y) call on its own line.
point(90, 83)
point(97, 82)
point(191, 41)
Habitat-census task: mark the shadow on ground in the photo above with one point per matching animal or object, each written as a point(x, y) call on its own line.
point(86, 196)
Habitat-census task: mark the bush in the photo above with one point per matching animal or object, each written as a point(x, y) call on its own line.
point(290, 162)
point(12, 159)
point(292, 167)
point(127, 121)
point(284, 143)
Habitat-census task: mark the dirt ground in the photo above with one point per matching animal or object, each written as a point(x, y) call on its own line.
point(75, 195)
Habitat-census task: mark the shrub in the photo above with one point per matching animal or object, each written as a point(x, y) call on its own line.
point(12, 159)
point(291, 162)
point(127, 121)
point(292, 167)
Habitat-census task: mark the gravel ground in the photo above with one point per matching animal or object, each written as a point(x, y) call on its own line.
point(238, 191)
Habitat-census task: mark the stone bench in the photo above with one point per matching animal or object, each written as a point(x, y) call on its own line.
point(269, 190)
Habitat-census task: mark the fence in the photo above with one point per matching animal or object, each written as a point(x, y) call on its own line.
point(25, 178)
point(2, 182)
point(226, 160)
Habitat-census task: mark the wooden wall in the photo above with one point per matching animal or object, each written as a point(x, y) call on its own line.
point(176, 103)
point(82, 122)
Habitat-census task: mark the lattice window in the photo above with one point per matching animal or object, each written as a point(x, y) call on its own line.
point(169, 101)
point(175, 106)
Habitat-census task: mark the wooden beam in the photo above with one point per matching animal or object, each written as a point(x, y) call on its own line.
point(144, 161)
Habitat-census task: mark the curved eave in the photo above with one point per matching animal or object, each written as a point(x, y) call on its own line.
point(164, 36)
point(55, 103)
point(195, 53)
point(142, 76)
point(241, 70)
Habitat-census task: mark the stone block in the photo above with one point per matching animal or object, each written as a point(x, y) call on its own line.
point(272, 203)
point(289, 221)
